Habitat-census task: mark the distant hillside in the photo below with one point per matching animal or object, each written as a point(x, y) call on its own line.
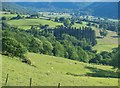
point(104, 9)
point(100, 9)
point(13, 7)
point(62, 5)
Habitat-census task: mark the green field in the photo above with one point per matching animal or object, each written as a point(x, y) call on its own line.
point(8, 16)
point(80, 25)
point(26, 23)
point(107, 43)
point(50, 70)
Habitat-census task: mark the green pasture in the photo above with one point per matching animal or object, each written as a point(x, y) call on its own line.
point(107, 43)
point(27, 23)
point(49, 71)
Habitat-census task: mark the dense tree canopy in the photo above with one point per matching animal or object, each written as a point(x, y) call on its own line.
point(36, 46)
point(48, 48)
point(116, 58)
point(58, 49)
point(12, 48)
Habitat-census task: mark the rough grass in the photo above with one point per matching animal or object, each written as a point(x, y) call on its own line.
point(50, 70)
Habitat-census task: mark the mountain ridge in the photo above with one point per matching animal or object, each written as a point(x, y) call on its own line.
point(100, 9)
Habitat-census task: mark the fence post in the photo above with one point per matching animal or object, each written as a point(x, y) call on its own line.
point(58, 85)
point(30, 82)
point(6, 80)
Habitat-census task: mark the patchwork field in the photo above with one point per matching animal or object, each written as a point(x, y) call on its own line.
point(50, 70)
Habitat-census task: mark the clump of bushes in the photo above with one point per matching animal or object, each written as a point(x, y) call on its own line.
point(12, 47)
point(26, 60)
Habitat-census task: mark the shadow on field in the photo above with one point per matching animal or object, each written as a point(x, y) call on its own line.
point(102, 73)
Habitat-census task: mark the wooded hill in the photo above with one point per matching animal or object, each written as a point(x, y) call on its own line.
point(99, 9)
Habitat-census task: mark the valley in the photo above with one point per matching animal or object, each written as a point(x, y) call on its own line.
point(73, 44)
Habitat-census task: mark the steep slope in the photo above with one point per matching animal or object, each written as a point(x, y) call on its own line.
point(50, 70)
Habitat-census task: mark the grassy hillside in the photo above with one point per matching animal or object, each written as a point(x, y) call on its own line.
point(50, 70)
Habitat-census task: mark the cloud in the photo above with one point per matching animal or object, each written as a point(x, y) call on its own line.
point(59, 0)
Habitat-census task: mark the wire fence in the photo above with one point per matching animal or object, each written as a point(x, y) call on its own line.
point(30, 83)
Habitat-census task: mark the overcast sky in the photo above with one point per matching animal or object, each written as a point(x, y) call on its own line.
point(59, 0)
